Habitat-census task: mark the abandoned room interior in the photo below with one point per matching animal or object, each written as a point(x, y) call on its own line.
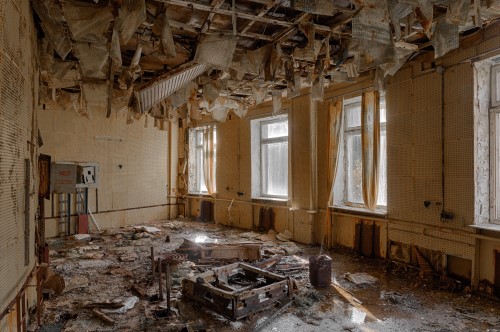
point(249, 165)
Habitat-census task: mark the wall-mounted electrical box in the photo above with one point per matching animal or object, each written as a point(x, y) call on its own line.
point(66, 177)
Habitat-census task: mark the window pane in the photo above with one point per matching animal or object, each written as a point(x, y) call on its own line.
point(353, 115)
point(354, 169)
point(199, 137)
point(274, 129)
point(382, 184)
point(199, 171)
point(383, 111)
point(497, 165)
point(497, 82)
point(275, 169)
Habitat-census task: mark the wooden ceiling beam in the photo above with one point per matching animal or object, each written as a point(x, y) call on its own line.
point(196, 29)
point(263, 12)
point(239, 14)
point(222, 11)
point(216, 4)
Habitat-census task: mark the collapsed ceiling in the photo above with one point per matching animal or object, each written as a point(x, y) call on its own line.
point(172, 58)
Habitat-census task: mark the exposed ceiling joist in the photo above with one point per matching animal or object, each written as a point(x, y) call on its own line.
point(239, 14)
point(216, 4)
point(263, 12)
point(196, 29)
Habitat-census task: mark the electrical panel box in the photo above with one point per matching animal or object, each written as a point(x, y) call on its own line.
point(88, 175)
point(66, 177)
point(63, 178)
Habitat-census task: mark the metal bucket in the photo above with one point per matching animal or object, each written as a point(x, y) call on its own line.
point(320, 270)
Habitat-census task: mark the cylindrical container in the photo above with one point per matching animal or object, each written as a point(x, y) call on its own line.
point(320, 270)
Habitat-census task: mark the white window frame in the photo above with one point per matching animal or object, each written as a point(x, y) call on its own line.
point(495, 97)
point(350, 131)
point(195, 148)
point(257, 144)
point(495, 165)
point(351, 103)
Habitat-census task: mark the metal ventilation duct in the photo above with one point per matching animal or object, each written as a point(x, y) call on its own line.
point(154, 92)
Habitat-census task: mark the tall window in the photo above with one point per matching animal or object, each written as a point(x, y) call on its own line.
point(495, 142)
point(353, 167)
point(270, 157)
point(197, 158)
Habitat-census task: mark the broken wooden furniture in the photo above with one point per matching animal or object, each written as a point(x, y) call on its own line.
point(163, 262)
point(207, 253)
point(238, 289)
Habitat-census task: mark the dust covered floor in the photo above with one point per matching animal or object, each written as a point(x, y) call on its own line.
point(366, 294)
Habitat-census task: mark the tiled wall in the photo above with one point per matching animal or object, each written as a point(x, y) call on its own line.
point(133, 164)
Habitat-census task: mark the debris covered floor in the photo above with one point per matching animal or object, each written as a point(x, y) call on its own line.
point(365, 295)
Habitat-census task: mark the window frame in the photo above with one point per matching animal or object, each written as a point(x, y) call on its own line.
point(348, 132)
point(351, 103)
point(267, 141)
point(198, 169)
point(257, 144)
point(494, 165)
point(495, 99)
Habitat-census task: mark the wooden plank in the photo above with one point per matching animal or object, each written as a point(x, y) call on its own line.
point(353, 301)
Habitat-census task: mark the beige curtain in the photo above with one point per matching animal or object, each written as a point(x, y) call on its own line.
point(334, 132)
point(209, 159)
point(370, 140)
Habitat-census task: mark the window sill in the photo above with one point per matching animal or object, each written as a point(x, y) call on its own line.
point(199, 195)
point(379, 212)
point(487, 227)
point(264, 200)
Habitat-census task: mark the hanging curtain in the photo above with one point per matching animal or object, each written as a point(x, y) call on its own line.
point(209, 159)
point(334, 131)
point(370, 140)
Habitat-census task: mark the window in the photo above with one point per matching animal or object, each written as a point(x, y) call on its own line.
point(270, 157)
point(353, 172)
point(197, 184)
point(495, 85)
point(495, 142)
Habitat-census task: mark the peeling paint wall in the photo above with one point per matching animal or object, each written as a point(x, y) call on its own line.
point(18, 150)
point(133, 165)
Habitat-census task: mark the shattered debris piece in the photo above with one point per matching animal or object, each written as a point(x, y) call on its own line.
point(54, 282)
point(103, 316)
point(360, 278)
point(93, 263)
point(128, 304)
point(285, 236)
point(128, 257)
point(250, 235)
point(82, 237)
point(119, 271)
point(237, 290)
point(207, 252)
point(148, 229)
point(270, 236)
point(92, 255)
point(293, 263)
